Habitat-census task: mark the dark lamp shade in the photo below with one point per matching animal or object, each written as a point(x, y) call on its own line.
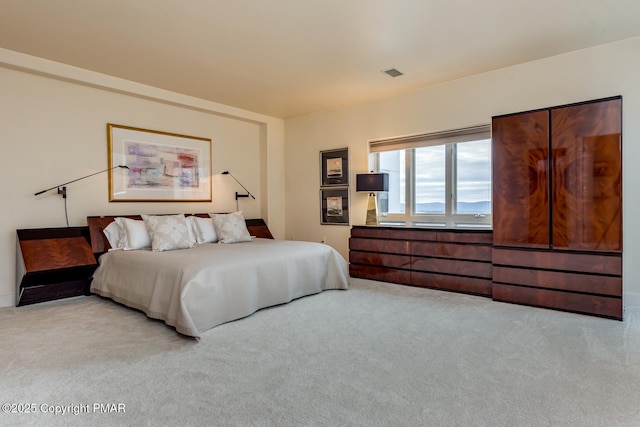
point(372, 182)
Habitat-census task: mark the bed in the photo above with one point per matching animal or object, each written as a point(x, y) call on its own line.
point(195, 289)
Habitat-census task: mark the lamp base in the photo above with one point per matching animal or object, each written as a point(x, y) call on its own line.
point(372, 210)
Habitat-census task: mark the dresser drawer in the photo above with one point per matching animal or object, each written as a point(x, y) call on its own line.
point(377, 245)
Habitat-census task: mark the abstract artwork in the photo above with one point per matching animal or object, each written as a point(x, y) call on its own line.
point(160, 166)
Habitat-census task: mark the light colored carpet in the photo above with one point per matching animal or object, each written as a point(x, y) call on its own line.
point(375, 355)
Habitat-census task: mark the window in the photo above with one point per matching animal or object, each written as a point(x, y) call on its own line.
point(436, 180)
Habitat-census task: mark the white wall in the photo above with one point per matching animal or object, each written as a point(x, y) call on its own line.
point(598, 72)
point(53, 129)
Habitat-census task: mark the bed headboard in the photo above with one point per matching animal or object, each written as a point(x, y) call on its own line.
point(99, 244)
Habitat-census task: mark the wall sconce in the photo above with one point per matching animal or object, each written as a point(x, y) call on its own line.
point(372, 183)
point(62, 188)
point(237, 194)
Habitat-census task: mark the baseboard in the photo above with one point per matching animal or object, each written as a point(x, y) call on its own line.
point(631, 300)
point(7, 300)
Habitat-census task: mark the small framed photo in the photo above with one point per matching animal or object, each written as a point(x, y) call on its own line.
point(334, 167)
point(334, 206)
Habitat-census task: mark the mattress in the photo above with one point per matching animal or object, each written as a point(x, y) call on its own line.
point(199, 288)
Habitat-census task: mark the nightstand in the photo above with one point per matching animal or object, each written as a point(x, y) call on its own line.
point(53, 263)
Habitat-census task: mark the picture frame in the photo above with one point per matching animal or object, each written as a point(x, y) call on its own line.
point(334, 206)
point(334, 167)
point(157, 166)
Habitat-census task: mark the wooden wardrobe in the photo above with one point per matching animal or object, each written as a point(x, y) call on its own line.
point(557, 207)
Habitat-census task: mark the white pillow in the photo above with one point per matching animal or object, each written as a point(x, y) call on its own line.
point(134, 234)
point(168, 232)
point(204, 231)
point(113, 232)
point(230, 228)
point(191, 226)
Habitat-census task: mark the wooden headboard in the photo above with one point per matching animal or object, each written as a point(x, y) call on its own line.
point(99, 244)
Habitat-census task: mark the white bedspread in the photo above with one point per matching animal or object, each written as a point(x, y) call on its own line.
point(199, 288)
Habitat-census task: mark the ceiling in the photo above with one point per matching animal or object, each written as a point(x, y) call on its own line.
point(285, 58)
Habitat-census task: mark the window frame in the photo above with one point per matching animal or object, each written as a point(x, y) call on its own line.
point(450, 219)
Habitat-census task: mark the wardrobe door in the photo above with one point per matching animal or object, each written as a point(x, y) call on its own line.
point(586, 146)
point(520, 150)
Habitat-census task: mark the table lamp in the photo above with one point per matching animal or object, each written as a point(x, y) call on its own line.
point(372, 183)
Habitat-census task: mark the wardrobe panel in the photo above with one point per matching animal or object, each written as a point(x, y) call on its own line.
point(587, 180)
point(521, 180)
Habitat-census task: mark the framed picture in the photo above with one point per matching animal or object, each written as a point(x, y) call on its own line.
point(160, 166)
point(334, 205)
point(334, 167)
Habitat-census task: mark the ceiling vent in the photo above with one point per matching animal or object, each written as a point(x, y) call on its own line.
point(393, 72)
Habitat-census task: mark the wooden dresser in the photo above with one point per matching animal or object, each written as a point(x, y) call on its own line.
point(467, 262)
point(557, 207)
point(453, 260)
